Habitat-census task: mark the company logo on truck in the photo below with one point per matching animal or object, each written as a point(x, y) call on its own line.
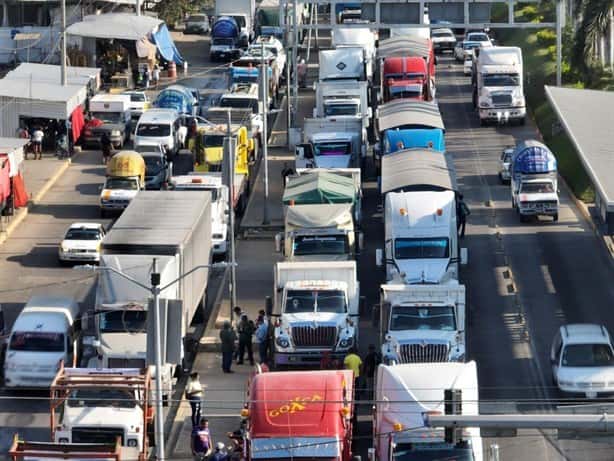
point(294, 405)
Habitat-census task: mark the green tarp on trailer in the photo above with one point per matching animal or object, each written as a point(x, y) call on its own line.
point(319, 187)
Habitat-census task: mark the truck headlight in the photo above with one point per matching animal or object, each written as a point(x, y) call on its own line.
point(346, 342)
point(282, 342)
point(133, 442)
point(115, 133)
point(63, 440)
point(11, 365)
point(484, 103)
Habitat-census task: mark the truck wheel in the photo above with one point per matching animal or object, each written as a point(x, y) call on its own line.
point(555, 217)
point(483, 122)
point(523, 218)
point(522, 121)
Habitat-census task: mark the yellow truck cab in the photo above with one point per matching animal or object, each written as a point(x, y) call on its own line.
point(208, 148)
point(125, 178)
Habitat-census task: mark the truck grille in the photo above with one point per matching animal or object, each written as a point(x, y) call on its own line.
point(423, 353)
point(127, 363)
point(106, 435)
point(502, 99)
point(320, 336)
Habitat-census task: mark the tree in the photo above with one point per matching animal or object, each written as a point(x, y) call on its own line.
point(173, 12)
point(593, 25)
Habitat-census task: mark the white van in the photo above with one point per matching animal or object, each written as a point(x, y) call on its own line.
point(45, 333)
point(158, 126)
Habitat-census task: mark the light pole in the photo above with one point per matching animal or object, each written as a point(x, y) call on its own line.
point(264, 84)
point(155, 289)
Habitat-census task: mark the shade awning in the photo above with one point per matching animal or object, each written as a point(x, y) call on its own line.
point(408, 113)
point(163, 40)
point(122, 26)
point(320, 187)
point(417, 169)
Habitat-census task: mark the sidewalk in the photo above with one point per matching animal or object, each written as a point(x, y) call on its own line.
point(39, 176)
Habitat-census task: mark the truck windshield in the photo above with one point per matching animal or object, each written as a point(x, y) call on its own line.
point(405, 92)
point(299, 301)
point(240, 20)
point(109, 117)
point(588, 355)
point(320, 245)
point(332, 148)
point(120, 321)
point(153, 129)
point(442, 35)
point(223, 42)
point(121, 184)
point(36, 341)
point(240, 103)
point(422, 318)
point(153, 165)
point(82, 234)
point(421, 248)
point(501, 80)
point(434, 454)
point(470, 46)
point(537, 188)
point(332, 110)
point(213, 140)
point(137, 97)
point(101, 397)
point(242, 78)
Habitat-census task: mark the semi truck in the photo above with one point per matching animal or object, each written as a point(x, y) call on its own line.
point(244, 14)
point(174, 228)
point(343, 100)
point(346, 63)
point(361, 37)
point(404, 78)
point(316, 308)
point(300, 415)
point(224, 39)
point(422, 323)
point(498, 91)
point(534, 181)
point(331, 143)
point(125, 177)
point(404, 393)
point(102, 405)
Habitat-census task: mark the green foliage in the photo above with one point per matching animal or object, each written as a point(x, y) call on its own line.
point(545, 37)
point(173, 12)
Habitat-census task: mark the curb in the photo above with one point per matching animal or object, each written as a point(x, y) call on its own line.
point(23, 212)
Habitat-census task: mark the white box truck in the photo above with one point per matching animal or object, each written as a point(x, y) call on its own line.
point(362, 37)
point(497, 84)
point(404, 393)
point(316, 308)
point(422, 323)
point(174, 227)
point(111, 115)
point(346, 63)
point(243, 12)
point(331, 143)
point(343, 100)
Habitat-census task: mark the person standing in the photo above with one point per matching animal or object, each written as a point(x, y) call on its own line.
point(372, 361)
point(146, 77)
point(182, 134)
point(353, 362)
point(462, 211)
point(201, 439)
point(194, 394)
point(262, 337)
point(37, 142)
point(228, 338)
point(246, 332)
point(156, 75)
point(105, 144)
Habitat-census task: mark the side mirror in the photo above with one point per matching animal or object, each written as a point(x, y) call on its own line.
point(379, 257)
point(268, 306)
point(279, 237)
point(361, 241)
point(300, 152)
point(464, 256)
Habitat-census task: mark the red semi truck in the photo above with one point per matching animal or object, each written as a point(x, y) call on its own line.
point(405, 78)
point(300, 415)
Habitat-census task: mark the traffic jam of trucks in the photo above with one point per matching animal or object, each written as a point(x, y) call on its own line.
point(373, 98)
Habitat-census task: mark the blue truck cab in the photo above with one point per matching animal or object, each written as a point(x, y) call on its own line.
point(429, 138)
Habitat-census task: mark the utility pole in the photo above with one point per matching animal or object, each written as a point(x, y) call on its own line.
point(559, 42)
point(159, 416)
point(230, 149)
point(63, 43)
point(288, 83)
point(295, 52)
point(264, 77)
point(137, 5)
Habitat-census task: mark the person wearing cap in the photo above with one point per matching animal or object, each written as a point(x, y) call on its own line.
point(194, 394)
point(219, 454)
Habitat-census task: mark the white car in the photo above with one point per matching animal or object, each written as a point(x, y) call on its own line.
point(81, 243)
point(506, 162)
point(464, 49)
point(582, 359)
point(443, 40)
point(139, 103)
point(481, 37)
point(197, 24)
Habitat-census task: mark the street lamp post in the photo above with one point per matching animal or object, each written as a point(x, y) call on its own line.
point(155, 289)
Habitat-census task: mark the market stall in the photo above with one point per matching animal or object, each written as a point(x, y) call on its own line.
point(12, 187)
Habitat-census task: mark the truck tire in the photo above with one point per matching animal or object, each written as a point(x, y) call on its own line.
point(522, 218)
point(555, 217)
point(522, 121)
point(103, 214)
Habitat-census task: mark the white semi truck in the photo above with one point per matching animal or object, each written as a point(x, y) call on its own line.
point(316, 308)
point(497, 84)
point(362, 37)
point(343, 100)
point(422, 323)
point(404, 393)
point(346, 63)
point(331, 143)
point(173, 227)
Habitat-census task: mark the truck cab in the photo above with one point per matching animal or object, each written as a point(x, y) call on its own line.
point(91, 405)
point(316, 310)
point(422, 323)
point(401, 139)
point(111, 115)
point(405, 78)
point(209, 146)
point(125, 177)
point(421, 239)
point(224, 39)
point(246, 96)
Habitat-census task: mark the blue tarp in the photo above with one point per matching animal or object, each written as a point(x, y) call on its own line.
point(395, 140)
point(533, 157)
point(174, 99)
point(163, 40)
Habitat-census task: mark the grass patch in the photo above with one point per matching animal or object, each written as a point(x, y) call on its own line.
point(539, 68)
